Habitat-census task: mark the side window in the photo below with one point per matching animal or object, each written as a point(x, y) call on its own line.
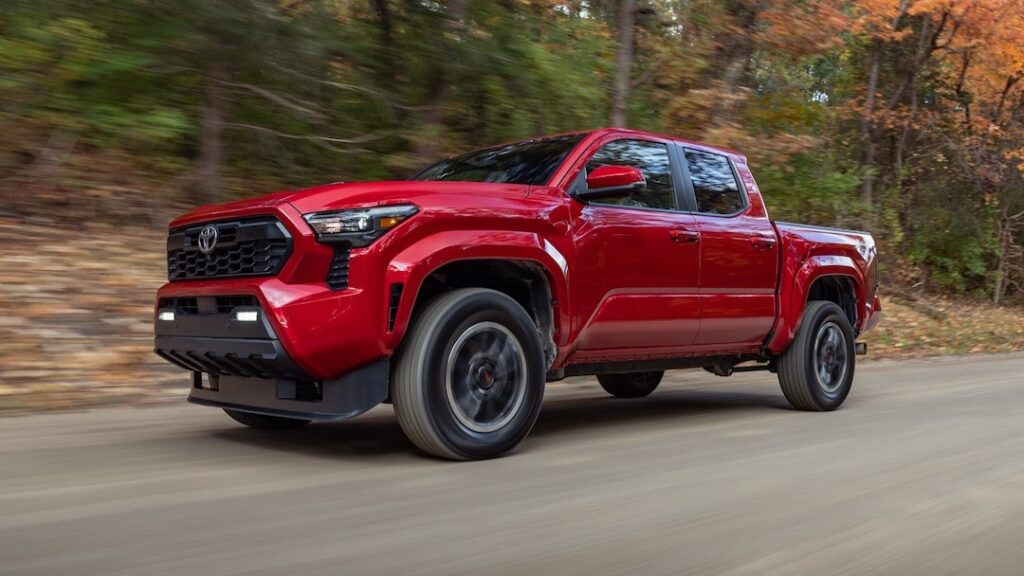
point(652, 159)
point(714, 183)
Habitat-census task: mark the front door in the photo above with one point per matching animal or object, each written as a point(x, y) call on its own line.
point(637, 271)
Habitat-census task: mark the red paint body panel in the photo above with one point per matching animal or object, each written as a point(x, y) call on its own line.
point(810, 253)
point(739, 271)
point(624, 284)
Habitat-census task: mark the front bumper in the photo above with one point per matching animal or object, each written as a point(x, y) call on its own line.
point(205, 335)
point(247, 367)
point(339, 399)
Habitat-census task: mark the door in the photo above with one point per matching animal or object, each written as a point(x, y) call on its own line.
point(636, 277)
point(739, 255)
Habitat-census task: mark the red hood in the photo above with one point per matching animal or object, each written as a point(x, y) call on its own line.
point(342, 195)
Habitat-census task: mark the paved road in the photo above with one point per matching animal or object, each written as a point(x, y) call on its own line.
point(922, 472)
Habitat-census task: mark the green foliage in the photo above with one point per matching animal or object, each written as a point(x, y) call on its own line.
point(125, 91)
point(956, 251)
point(807, 190)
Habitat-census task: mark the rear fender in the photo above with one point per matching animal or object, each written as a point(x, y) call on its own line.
point(793, 296)
point(416, 262)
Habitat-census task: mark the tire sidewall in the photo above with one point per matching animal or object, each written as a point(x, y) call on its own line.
point(484, 306)
point(825, 314)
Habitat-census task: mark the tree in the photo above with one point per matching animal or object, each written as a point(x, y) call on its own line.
point(623, 61)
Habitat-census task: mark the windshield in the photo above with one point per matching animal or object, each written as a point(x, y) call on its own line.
point(531, 162)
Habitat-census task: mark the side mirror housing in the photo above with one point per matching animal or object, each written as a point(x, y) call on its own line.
point(609, 181)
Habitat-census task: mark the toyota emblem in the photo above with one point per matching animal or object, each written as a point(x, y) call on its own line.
point(207, 239)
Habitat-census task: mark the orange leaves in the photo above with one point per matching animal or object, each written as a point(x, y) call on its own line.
point(879, 18)
point(804, 28)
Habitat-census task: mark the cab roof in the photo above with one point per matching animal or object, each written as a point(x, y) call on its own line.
point(734, 154)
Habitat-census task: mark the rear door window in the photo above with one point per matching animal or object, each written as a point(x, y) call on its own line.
point(714, 183)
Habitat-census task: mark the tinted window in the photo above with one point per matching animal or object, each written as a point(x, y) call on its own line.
point(714, 183)
point(651, 158)
point(531, 162)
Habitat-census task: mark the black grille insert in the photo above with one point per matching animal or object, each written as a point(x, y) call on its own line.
point(337, 275)
point(395, 299)
point(226, 304)
point(182, 305)
point(248, 247)
point(195, 305)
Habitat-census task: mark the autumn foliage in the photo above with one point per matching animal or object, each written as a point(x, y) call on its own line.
point(900, 116)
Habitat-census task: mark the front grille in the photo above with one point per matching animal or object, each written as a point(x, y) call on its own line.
point(337, 274)
point(249, 247)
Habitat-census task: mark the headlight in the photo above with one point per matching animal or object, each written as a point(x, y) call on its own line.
point(358, 227)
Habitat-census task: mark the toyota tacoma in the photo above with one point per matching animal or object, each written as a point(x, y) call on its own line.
point(458, 294)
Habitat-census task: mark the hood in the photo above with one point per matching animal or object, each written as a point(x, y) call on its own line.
point(359, 194)
point(341, 195)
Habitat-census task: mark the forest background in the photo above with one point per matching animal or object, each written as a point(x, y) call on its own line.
point(901, 117)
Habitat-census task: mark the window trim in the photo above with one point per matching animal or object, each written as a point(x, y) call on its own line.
point(692, 193)
point(675, 173)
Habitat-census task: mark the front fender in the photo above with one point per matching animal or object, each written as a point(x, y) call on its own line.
point(793, 295)
point(416, 262)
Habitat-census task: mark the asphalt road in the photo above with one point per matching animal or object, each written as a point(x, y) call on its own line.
point(921, 472)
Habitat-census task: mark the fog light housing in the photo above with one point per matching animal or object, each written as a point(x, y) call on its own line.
point(166, 316)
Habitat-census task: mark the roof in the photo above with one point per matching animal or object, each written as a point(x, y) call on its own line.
point(696, 144)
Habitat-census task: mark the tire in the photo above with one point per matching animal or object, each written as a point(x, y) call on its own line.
point(816, 371)
point(633, 385)
point(469, 377)
point(265, 422)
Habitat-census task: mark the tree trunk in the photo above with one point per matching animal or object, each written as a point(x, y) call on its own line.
point(870, 131)
point(733, 60)
point(1004, 249)
point(211, 136)
point(623, 62)
point(426, 147)
point(866, 123)
point(387, 37)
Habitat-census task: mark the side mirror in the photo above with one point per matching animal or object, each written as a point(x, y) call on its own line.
point(613, 180)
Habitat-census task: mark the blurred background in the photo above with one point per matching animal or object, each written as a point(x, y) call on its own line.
point(896, 116)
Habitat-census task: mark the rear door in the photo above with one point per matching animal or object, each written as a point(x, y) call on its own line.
point(739, 254)
point(637, 273)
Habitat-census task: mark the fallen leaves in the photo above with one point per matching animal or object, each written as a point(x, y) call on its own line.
point(937, 327)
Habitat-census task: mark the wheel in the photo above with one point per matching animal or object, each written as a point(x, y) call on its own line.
point(469, 378)
point(633, 385)
point(265, 422)
point(816, 371)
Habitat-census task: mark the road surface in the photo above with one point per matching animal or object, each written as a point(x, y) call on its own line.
point(921, 472)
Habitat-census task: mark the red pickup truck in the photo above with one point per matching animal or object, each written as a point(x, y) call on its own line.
point(456, 295)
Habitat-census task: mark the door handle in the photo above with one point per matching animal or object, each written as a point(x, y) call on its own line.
point(684, 236)
point(762, 242)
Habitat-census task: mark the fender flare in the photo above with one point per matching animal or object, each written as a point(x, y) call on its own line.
point(415, 263)
point(793, 296)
